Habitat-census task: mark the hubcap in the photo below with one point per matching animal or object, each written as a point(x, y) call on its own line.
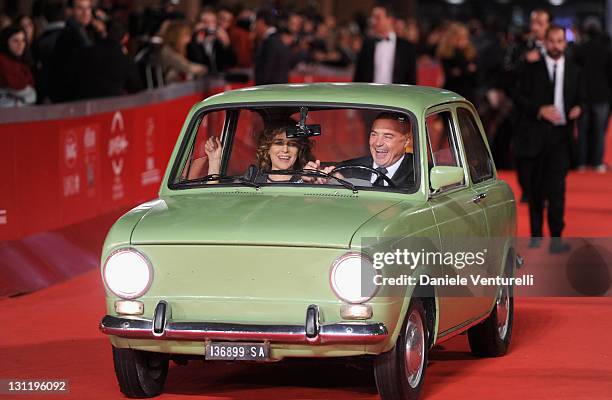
point(155, 366)
point(415, 349)
point(503, 311)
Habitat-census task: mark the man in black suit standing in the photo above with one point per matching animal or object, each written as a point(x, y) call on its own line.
point(273, 56)
point(594, 55)
point(548, 97)
point(385, 58)
point(390, 136)
point(517, 56)
point(104, 69)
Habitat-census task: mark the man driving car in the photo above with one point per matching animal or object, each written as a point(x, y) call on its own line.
point(390, 136)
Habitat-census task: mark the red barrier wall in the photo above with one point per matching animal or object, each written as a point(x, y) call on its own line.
point(67, 180)
point(62, 172)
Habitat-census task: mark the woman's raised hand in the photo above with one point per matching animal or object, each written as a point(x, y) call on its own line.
point(213, 150)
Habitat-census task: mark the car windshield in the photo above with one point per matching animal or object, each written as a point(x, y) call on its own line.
point(355, 148)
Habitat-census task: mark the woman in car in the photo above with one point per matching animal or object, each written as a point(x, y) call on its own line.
point(275, 151)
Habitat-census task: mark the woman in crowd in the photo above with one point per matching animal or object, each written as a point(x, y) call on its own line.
point(173, 55)
point(458, 57)
point(16, 81)
point(275, 151)
point(26, 23)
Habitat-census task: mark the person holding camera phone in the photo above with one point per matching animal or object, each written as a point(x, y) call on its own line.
point(210, 44)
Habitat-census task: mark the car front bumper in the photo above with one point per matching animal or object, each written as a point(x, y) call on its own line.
point(312, 332)
point(347, 333)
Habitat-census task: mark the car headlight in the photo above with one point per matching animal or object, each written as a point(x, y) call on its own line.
point(128, 273)
point(352, 278)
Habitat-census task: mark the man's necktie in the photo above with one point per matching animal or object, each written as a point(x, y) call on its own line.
point(554, 77)
point(380, 181)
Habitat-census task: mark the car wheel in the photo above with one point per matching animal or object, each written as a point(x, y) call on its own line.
point(140, 373)
point(491, 337)
point(400, 372)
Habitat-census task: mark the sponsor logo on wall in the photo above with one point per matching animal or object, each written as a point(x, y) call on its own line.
point(72, 181)
point(3, 217)
point(79, 153)
point(89, 146)
point(117, 148)
point(151, 174)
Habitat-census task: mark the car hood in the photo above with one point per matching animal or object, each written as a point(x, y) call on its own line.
point(253, 218)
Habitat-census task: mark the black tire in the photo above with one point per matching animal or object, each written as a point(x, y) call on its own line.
point(140, 373)
point(488, 338)
point(390, 370)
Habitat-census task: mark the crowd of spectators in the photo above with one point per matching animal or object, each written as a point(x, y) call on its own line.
point(84, 49)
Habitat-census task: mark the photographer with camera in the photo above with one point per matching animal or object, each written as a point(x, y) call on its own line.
point(210, 44)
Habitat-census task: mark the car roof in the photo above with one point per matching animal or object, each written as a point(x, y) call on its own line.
point(411, 97)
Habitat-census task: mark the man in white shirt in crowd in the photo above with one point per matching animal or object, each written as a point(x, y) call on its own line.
point(384, 57)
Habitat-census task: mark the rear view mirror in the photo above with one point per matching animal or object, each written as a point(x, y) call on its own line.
point(303, 131)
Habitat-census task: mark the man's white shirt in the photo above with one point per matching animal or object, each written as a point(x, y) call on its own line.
point(559, 101)
point(391, 170)
point(384, 59)
point(270, 31)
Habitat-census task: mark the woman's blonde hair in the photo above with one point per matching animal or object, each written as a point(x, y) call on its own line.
point(173, 33)
point(448, 42)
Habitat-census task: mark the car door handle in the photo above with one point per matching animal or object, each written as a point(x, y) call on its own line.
point(481, 196)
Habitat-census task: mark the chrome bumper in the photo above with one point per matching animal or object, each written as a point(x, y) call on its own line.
point(309, 333)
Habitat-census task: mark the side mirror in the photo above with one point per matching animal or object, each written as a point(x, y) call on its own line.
point(442, 176)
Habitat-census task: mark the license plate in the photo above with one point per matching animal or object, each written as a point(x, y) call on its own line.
point(238, 351)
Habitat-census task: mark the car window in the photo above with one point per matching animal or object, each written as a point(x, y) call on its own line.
point(263, 139)
point(244, 146)
point(478, 158)
point(196, 163)
point(441, 148)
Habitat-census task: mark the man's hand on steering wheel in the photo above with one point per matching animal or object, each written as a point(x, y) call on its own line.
point(379, 174)
point(316, 165)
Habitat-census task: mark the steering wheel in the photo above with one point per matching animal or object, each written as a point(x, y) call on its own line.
point(364, 168)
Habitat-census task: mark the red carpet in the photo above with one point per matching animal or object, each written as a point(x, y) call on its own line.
point(561, 348)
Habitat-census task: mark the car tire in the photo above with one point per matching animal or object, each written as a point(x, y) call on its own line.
point(140, 373)
point(400, 372)
point(491, 337)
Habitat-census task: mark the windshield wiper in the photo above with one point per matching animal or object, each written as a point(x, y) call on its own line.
point(222, 178)
point(314, 172)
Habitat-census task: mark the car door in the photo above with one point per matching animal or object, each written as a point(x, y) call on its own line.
point(458, 216)
point(490, 193)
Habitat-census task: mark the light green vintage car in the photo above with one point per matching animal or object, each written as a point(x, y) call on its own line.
point(298, 221)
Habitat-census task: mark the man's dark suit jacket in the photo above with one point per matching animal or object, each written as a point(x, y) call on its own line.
point(404, 176)
point(103, 70)
point(62, 62)
point(404, 66)
point(595, 58)
point(224, 57)
point(535, 89)
point(272, 61)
